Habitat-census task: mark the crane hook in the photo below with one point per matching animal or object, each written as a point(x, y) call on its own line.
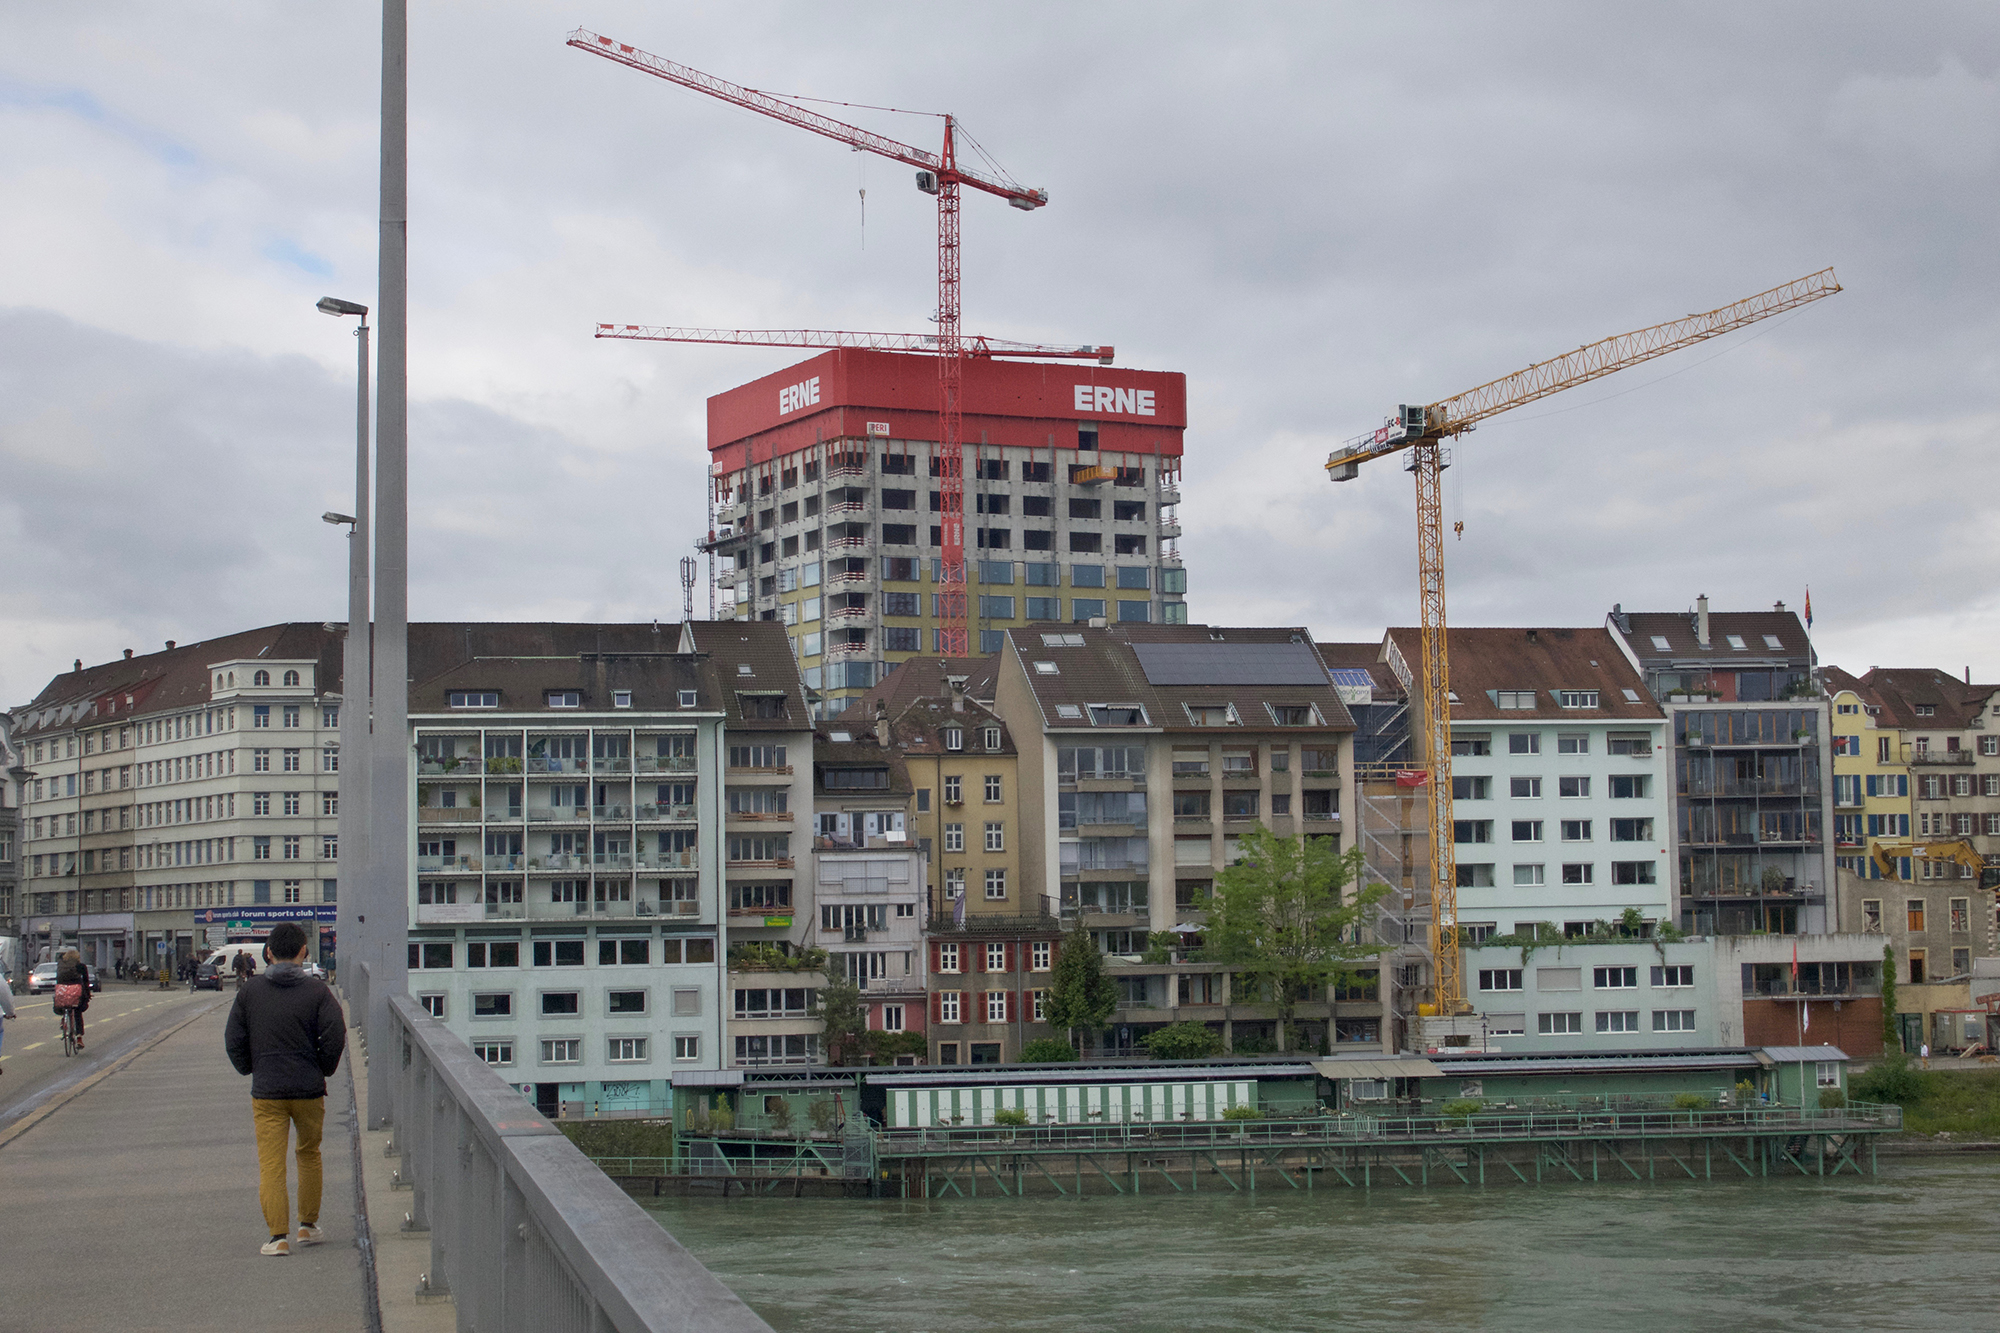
point(1458, 529)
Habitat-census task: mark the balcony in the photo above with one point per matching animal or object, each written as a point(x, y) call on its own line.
point(776, 863)
point(456, 815)
point(762, 816)
point(611, 812)
point(676, 763)
point(651, 813)
point(446, 865)
point(1170, 495)
point(559, 814)
point(666, 860)
point(846, 507)
point(1170, 529)
point(513, 863)
point(467, 769)
point(844, 472)
point(617, 764)
point(538, 766)
point(837, 580)
point(768, 771)
point(847, 613)
point(846, 649)
point(612, 860)
point(1926, 757)
point(558, 863)
point(1036, 916)
point(848, 543)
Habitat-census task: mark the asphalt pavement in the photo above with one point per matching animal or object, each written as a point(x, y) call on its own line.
point(130, 1179)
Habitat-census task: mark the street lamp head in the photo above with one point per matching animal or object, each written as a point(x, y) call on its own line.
point(333, 305)
point(336, 519)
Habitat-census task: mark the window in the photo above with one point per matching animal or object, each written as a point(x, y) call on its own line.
point(563, 698)
point(1630, 786)
point(1913, 909)
point(563, 1051)
point(1524, 742)
point(954, 837)
point(1626, 1020)
point(1576, 830)
point(1614, 978)
point(433, 1005)
point(260, 761)
point(1918, 958)
point(1578, 872)
point(1500, 978)
point(291, 717)
point(1527, 830)
point(1572, 743)
point(560, 953)
point(1524, 788)
point(1673, 974)
point(1573, 787)
point(260, 716)
point(292, 761)
point(562, 1003)
point(947, 1005)
point(1528, 875)
point(1514, 698)
point(472, 699)
point(1039, 956)
point(625, 1050)
point(1473, 876)
point(1556, 1025)
point(1576, 698)
point(990, 737)
point(1961, 915)
point(260, 803)
point(494, 1052)
point(993, 790)
point(492, 953)
point(996, 885)
point(1632, 872)
point(1471, 830)
point(947, 957)
point(687, 1046)
point(493, 1004)
point(954, 790)
point(1673, 1020)
point(1631, 830)
point(1871, 916)
point(1471, 789)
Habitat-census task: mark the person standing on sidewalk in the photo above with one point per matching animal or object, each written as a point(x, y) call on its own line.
point(287, 1032)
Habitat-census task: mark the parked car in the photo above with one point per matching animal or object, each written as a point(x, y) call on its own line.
point(42, 979)
point(207, 977)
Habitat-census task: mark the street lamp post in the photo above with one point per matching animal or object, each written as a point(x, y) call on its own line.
point(355, 692)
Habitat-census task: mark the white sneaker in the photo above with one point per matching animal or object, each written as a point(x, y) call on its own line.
point(309, 1235)
point(279, 1246)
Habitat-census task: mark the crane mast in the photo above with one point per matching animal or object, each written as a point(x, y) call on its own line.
point(1422, 430)
point(938, 174)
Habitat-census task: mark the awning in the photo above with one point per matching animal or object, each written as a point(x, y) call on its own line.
point(1408, 1068)
point(708, 1078)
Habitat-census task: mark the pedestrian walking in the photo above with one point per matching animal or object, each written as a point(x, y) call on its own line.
point(6, 1008)
point(286, 1031)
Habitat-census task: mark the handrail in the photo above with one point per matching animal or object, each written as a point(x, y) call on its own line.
point(525, 1233)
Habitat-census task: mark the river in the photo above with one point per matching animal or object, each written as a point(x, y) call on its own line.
point(1915, 1248)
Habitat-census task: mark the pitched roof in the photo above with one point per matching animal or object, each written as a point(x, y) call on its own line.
point(1076, 666)
point(924, 677)
point(1900, 691)
point(1485, 662)
point(1677, 628)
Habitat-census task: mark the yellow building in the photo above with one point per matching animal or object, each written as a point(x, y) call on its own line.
point(1871, 777)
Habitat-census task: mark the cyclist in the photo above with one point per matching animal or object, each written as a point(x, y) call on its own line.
point(71, 972)
point(6, 1003)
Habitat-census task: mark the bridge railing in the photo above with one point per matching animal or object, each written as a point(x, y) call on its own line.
point(527, 1236)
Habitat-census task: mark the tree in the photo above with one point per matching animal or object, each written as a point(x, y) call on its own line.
point(1285, 917)
point(1891, 1039)
point(843, 1022)
point(1183, 1041)
point(1081, 997)
point(1047, 1051)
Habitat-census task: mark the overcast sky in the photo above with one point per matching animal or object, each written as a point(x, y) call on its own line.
point(1315, 211)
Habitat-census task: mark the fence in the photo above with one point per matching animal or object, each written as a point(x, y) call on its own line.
point(526, 1234)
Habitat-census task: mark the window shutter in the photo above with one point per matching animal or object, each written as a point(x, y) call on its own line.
point(936, 965)
point(1013, 998)
point(937, 1006)
point(1008, 950)
point(976, 958)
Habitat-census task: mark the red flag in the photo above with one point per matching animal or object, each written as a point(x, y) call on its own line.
point(1808, 606)
point(1795, 964)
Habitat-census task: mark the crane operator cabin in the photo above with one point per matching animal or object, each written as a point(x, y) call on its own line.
point(827, 494)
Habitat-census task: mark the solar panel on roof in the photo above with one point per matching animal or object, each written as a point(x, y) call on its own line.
point(1229, 664)
point(1357, 676)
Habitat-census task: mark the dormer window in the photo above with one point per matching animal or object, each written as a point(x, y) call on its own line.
point(954, 738)
point(1577, 698)
point(1514, 699)
point(472, 699)
point(1926, 710)
point(1117, 715)
point(992, 738)
point(1294, 715)
point(1211, 715)
point(688, 698)
point(564, 698)
point(621, 698)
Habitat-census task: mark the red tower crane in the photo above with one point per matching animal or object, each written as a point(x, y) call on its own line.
point(937, 173)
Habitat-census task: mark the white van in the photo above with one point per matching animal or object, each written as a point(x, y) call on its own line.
point(224, 957)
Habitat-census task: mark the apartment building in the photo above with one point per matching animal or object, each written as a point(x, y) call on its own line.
point(828, 486)
point(1871, 778)
point(1145, 753)
point(566, 894)
point(1559, 802)
point(184, 798)
point(13, 781)
point(870, 874)
point(1752, 765)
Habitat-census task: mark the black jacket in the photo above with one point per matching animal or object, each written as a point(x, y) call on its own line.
point(75, 974)
point(287, 1032)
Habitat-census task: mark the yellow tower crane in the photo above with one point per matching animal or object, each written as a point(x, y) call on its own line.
point(1422, 430)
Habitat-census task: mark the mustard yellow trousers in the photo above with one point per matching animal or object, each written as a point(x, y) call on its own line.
point(275, 1122)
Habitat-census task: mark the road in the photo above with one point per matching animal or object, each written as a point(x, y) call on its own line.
point(124, 1015)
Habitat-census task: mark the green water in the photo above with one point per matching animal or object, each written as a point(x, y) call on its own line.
point(1915, 1248)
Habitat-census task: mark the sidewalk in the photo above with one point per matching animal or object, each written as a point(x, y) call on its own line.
point(134, 1206)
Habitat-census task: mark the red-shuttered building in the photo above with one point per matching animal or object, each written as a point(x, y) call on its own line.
point(826, 488)
point(989, 980)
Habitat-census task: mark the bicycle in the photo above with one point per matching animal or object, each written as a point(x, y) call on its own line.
point(68, 1031)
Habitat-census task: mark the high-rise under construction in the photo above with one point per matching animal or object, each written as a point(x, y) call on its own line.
point(826, 486)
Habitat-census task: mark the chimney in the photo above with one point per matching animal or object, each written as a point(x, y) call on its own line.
point(1779, 607)
point(1968, 673)
point(1534, 636)
point(882, 724)
point(170, 645)
point(79, 664)
point(957, 687)
point(128, 654)
point(1701, 620)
